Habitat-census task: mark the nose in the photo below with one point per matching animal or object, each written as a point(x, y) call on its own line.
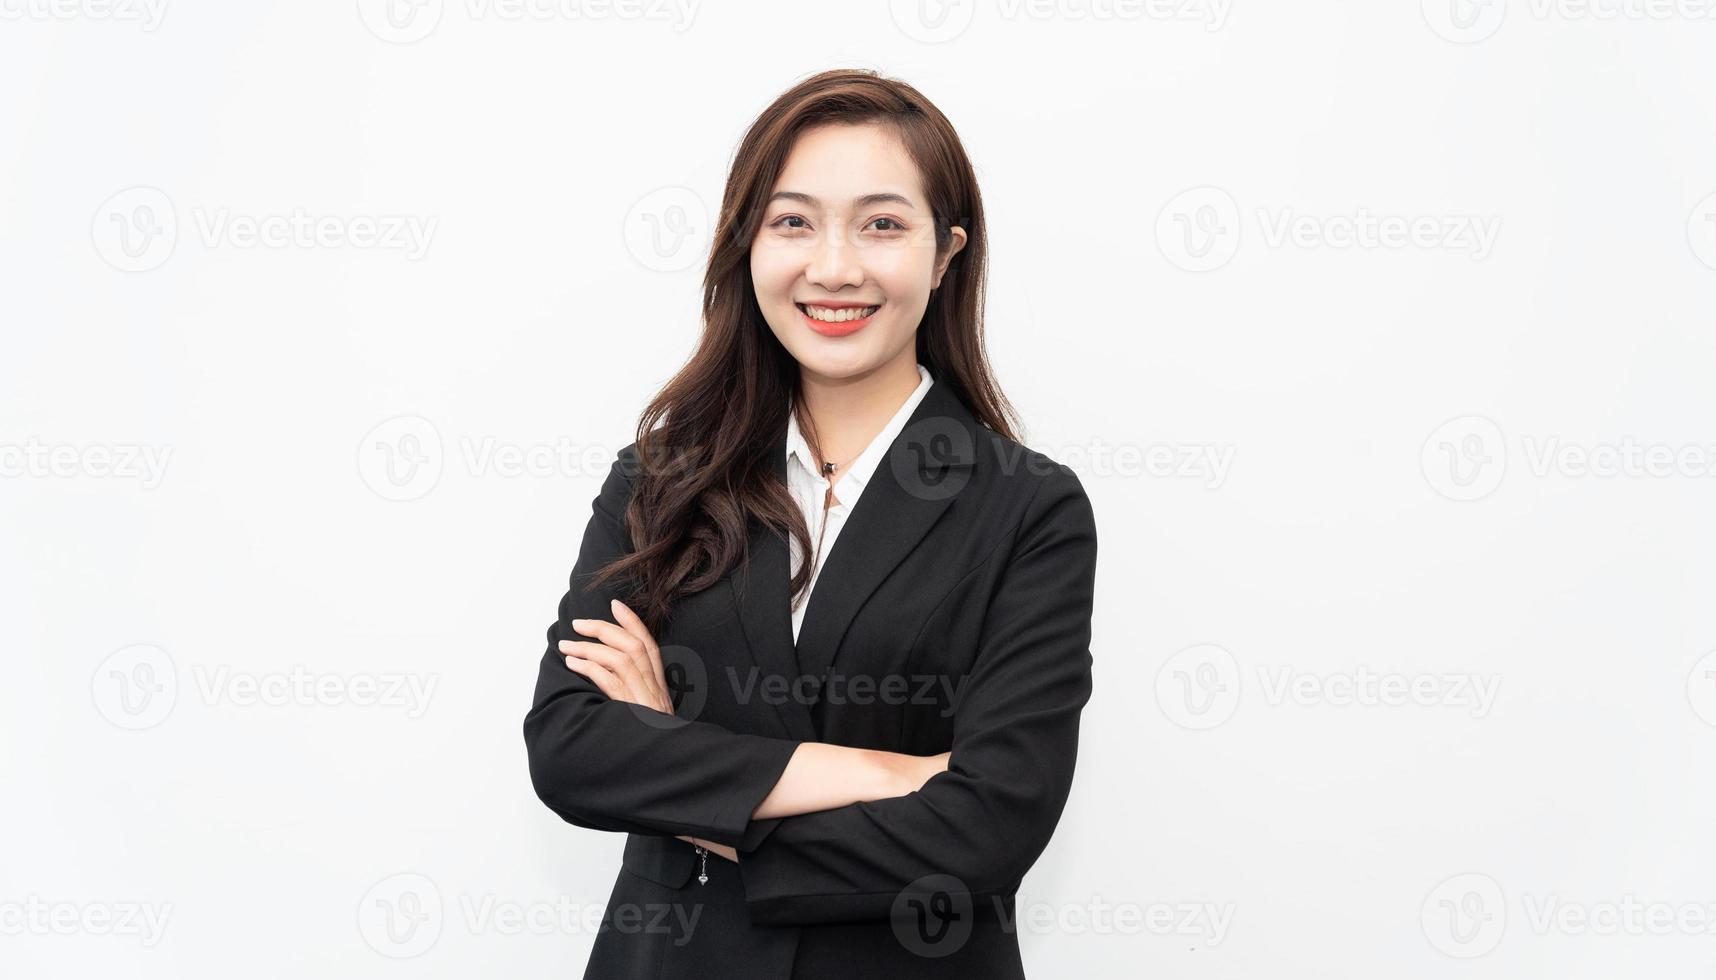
point(834, 262)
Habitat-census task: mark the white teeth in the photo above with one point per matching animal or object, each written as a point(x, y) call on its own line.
point(839, 316)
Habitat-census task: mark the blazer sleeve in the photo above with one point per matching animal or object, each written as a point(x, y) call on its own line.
point(614, 766)
point(1015, 741)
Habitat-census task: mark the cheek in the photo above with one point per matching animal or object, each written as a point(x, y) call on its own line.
point(903, 274)
point(770, 272)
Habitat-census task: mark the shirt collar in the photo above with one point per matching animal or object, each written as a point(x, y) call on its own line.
point(849, 485)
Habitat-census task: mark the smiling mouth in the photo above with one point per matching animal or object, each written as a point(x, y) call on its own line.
point(827, 314)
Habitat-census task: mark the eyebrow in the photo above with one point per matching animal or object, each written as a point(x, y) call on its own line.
point(861, 202)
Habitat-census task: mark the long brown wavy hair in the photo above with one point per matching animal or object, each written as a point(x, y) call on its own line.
point(704, 473)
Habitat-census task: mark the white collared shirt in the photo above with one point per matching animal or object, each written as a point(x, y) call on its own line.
point(808, 487)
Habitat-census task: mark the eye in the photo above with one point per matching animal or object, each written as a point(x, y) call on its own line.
point(781, 222)
point(896, 225)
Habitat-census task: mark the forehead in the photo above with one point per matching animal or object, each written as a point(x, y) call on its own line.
point(840, 161)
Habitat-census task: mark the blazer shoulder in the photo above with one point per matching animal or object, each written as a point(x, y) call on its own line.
point(1047, 493)
point(623, 472)
point(614, 497)
point(626, 460)
point(1027, 471)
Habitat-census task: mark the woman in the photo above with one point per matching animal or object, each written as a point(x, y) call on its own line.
point(831, 762)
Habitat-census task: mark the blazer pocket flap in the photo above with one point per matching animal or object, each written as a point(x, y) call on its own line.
point(663, 860)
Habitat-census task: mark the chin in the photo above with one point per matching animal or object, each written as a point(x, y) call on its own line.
point(837, 365)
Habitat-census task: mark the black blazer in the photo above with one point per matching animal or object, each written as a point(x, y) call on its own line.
point(953, 612)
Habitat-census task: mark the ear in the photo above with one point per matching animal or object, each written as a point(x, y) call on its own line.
point(953, 249)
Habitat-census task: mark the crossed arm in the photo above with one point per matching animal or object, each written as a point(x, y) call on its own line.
point(624, 663)
point(830, 833)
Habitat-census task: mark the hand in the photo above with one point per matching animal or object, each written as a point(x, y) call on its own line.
point(626, 664)
point(713, 848)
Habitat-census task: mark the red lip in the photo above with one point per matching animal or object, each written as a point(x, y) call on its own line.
point(836, 329)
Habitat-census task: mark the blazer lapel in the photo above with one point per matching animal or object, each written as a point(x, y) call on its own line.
point(925, 467)
point(765, 610)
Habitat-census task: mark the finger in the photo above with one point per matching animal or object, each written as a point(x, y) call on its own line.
point(633, 685)
point(634, 624)
point(608, 633)
point(649, 655)
point(623, 667)
point(635, 642)
point(604, 681)
point(614, 636)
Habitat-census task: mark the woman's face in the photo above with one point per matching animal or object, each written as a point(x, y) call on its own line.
point(845, 258)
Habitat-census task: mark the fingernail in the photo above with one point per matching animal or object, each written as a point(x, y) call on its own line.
point(579, 622)
point(565, 644)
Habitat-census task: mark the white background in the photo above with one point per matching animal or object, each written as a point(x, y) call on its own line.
point(1406, 424)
